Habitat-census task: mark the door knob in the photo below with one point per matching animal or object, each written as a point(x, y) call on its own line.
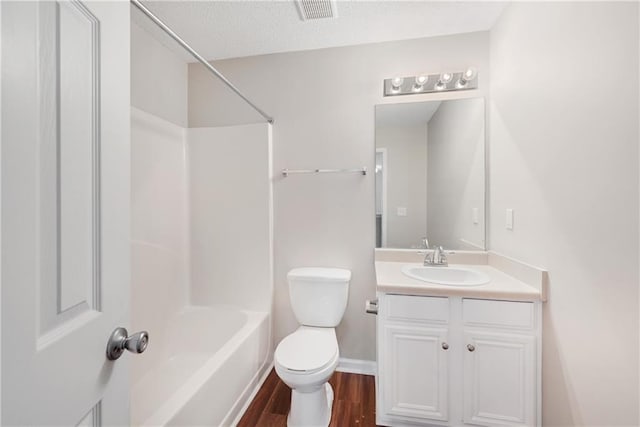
point(445, 346)
point(471, 347)
point(119, 341)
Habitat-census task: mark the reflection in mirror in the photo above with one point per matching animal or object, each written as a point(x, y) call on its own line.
point(430, 174)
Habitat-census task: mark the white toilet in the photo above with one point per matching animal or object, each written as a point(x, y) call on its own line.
point(306, 359)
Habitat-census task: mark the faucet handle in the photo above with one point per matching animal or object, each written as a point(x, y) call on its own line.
point(443, 256)
point(424, 243)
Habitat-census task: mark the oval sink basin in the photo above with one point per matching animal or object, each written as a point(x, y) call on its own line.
point(451, 276)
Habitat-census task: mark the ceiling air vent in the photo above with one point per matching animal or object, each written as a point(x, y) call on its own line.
point(317, 9)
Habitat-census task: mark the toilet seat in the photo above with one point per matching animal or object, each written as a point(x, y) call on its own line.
point(307, 350)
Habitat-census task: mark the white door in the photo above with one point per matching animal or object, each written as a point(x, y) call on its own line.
point(65, 211)
point(499, 379)
point(414, 377)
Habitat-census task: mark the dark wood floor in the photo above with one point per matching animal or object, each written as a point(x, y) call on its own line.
point(353, 405)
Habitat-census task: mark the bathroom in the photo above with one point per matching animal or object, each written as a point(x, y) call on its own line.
point(199, 219)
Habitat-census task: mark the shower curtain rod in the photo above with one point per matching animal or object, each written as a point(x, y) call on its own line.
point(199, 57)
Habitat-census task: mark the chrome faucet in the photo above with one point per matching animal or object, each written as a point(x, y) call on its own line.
point(436, 258)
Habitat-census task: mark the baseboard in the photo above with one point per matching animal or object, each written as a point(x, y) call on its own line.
point(357, 366)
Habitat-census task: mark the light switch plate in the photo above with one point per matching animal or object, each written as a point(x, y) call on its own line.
point(509, 219)
point(400, 211)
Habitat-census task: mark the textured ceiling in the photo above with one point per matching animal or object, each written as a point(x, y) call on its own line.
point(228, 29)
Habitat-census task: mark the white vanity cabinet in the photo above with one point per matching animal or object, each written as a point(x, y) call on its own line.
point(451, 361)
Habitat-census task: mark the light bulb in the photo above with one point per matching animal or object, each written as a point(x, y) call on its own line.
point(420, 81)
point(470, 73)
point(440, 85)
point(396, 82)
point(446, 77)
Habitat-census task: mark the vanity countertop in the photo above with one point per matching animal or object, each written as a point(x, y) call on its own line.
point(502, 286)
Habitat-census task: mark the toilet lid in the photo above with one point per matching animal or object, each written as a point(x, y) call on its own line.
point(307, 349)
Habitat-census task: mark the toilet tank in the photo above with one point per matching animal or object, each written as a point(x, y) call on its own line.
point(319, 295)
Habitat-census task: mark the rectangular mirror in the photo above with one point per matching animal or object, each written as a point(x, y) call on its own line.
point(430, 174)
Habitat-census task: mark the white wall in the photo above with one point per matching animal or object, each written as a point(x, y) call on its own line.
point(564, 156)
point(158, 78)
point(406, 176)
point(456, 161)
point(323, 103)
point(159, 231)
point(231, 216)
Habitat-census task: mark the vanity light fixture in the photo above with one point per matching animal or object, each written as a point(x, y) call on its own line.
point(428, 83)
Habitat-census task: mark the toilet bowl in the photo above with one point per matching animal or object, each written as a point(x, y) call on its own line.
point(306, 359)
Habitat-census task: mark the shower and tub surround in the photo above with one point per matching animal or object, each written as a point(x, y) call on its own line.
point(306, 359)
point(210, 321)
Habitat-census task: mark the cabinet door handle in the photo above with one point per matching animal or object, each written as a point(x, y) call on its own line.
point(470, 347)
point(445, 346)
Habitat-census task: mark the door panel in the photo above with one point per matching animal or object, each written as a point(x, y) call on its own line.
point(415, 380)
point(65, 211)
point(69, 185)
point(78, 143)
point(499, 379)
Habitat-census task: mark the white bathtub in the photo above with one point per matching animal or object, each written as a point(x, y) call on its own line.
point(211, 358)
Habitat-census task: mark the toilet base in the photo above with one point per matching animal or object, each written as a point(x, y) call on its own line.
point(311, 409)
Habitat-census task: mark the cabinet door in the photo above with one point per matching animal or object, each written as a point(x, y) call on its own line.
point(499, 379)
point(414, 372)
